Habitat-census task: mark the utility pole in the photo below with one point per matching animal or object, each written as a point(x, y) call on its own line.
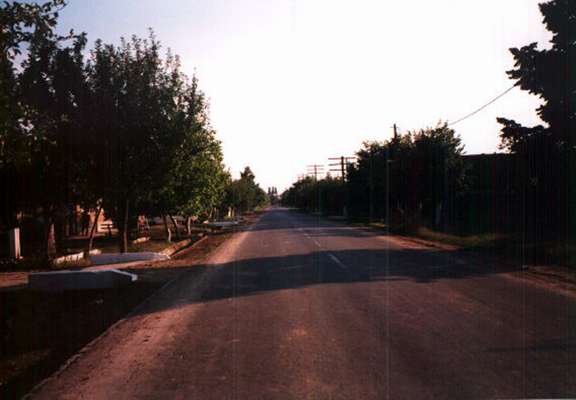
point(339, 165)
point(389, 161)
point(314, 170)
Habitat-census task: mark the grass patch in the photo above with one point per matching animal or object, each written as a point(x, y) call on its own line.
point(40, 330)
point(485, 240)
point(154, 245)
point(477, 241)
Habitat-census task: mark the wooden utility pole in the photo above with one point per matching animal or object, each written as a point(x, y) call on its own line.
point(315, 169)
point(340, 164)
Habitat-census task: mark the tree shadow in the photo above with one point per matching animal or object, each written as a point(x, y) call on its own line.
point(554, 345)
point(253, 276)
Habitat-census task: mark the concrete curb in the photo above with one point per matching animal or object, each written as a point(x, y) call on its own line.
point(176, 247)
point(168, 251)
point(191, 246)
point(74, 257)
point(141, 240)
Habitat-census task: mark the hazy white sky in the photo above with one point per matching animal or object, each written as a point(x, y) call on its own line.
point(293, 82)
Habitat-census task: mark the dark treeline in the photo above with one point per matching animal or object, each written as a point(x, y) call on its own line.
point(423, 178)
point(400, 181)
point(118, 128)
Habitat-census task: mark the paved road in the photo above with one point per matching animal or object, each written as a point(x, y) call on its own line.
point(302, 308)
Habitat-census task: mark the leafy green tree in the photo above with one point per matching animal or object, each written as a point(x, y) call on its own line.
point(438, 171)
point(21, 24)
point(141, 113)
point(39, 104)
point(302, 195)
point(397, 181)
point(24, 28)
point(53, 88)
point(125, 130)
point(194, 185)
point(377, 183)
point(245, 194)
point(547, 153)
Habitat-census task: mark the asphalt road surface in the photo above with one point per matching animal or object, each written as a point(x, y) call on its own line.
point(297, 307)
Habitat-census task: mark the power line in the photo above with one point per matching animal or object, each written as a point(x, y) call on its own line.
point(483, 107)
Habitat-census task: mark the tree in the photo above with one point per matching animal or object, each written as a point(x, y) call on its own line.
point(397, 181)
point(546, 154)
point(39, 102)
point(139, 118)
point(194, 185)
point(438, 169)
point(373, 186)
point(245, 194)
point(21, 25)
point(53, 87)
point(124, 130)
point(302, 195)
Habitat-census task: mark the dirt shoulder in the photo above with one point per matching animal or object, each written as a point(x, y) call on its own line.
point(41, 330)
point(554, 277)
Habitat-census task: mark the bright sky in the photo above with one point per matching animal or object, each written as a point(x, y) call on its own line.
point(293, 82)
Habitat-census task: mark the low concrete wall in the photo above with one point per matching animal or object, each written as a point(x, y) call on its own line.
point(170, 250)
point(74, 257)
point(116, 258)
point(79, 280)
point(141, 240)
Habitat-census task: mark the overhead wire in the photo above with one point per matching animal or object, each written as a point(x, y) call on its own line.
point(483, 107)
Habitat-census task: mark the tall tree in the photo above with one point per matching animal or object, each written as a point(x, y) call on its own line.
point(245, 194)
point(439, 171)
point(546, 153)
point(22, 25)
point(194, 183)
point(138, 111)
point(53, 88)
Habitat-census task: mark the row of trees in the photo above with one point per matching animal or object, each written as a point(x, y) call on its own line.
point(245, 194)
point(119, 128)
point(422, 174)
point(399, 180)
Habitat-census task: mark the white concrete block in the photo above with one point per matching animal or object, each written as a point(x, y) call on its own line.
point(15, 252)
point(117, 258)
point(74, 257)
point(79, 280)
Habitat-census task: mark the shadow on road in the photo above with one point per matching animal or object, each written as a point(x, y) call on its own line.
point(259, 275)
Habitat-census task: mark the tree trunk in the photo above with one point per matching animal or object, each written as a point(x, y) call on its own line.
point(93, 230)
point(123, 227)
point(438, 214)
point(72, 220)
point(189, 226)
point(167, 230)
point(175, 223)
point(49, 236)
